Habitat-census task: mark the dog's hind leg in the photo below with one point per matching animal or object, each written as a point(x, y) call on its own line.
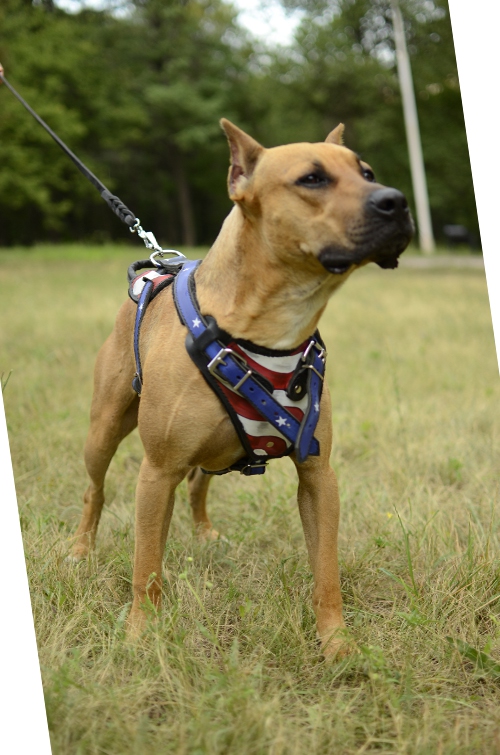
point(319, 507)
point(198, 483)
point(113, 416)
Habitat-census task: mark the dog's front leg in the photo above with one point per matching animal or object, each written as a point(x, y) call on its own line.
point(319, 506)
point(154, 506)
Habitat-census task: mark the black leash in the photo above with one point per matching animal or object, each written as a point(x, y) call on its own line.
point(115, 203)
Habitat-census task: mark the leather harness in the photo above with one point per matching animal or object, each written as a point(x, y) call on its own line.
point(233, 369)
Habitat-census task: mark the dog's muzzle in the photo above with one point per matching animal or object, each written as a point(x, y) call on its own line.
point(381, 234)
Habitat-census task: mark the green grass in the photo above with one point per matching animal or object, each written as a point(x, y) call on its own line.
point(232, 665)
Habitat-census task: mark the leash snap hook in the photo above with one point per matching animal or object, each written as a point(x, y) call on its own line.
point(149, 238)
point(150, 242)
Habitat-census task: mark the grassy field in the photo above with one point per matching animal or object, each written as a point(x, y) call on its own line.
point(232, 665)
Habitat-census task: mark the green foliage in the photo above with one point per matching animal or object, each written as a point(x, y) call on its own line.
point(484, 663)
point(57, 64)
point(138, 97)
point(344, 70)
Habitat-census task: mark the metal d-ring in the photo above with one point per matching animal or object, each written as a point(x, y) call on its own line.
point(178, 259)
point(314, 344)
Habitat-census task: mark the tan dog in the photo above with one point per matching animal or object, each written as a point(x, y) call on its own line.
point(305, 216)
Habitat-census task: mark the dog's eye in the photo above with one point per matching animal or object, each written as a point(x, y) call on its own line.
point(368, 174)
point(314, 180)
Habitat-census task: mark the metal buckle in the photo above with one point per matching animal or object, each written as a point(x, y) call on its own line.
point(219, 359)
point(255, 465)
point(137, 384)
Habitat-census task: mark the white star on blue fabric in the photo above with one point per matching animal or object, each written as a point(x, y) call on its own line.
point(316, 406)
point(281, 421)
point(196, 323)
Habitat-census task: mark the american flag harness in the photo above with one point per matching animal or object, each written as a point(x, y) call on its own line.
point(272, 396)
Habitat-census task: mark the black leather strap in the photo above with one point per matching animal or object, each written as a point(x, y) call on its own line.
point(120, 209)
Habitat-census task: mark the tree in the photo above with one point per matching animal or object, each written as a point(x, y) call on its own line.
point(57, 65)
point(345, 70)
point(192, 57)
point(138, 98)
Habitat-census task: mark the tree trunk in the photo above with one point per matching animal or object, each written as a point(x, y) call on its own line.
point(185, 203)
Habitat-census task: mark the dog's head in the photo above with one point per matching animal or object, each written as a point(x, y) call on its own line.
point(319, 202)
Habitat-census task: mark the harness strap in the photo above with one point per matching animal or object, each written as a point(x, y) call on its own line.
point(251, 464)
point(141, 311)
point(230, 369)
point(315, 362)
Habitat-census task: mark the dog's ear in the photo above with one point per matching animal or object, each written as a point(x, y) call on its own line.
point(336, 136)
point(245, 152)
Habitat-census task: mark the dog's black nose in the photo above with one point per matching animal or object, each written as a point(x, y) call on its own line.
point(388, 203)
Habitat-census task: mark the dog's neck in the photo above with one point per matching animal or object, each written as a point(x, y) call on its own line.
point(255, 296)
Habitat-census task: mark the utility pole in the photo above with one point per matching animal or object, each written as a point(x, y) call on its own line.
point(425, 235)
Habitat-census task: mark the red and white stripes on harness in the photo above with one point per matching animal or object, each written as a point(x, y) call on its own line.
point(264, 439)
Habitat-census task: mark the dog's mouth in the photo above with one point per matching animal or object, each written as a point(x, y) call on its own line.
point(338, 260)
point(369, 240)
point(335, 266)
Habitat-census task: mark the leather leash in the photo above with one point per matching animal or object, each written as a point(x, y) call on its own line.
point(116, 205)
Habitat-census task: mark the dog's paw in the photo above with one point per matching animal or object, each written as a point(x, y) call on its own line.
point(210, 535)
point(71, 560)
point(135, 625)
point(337, 645)
point(75, 557)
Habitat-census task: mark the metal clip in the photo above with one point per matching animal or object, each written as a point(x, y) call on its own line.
point(150, 242)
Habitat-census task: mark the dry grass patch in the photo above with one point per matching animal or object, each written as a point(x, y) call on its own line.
point(231, 664)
